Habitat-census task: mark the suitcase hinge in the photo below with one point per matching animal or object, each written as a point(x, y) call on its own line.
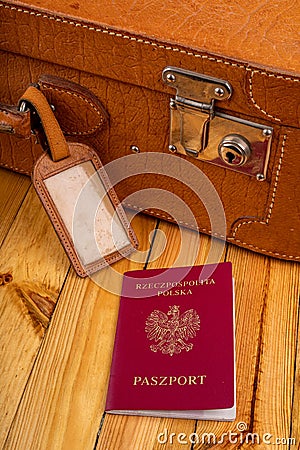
point(197, 129)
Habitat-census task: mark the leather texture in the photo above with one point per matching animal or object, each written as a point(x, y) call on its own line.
point(120, 57)
point(248, 31)
point(46, 167)
point(15, 122)
point(56, 143)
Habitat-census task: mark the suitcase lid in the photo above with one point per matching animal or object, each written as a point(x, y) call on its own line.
point(265, 33)
point(254, 46)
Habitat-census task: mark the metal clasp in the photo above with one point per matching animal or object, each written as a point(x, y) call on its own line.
point(199, 130)
point(192, 110)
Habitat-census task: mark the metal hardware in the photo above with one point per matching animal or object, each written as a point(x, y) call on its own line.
point(135, 149)
point(4, 128)
point(260, 177)
point(171, 77)
point(193, 106)
point(219, 92)
point(172, 148)
point(198, 130)
point(267, 132)
point(234, 150)
point(23, 107)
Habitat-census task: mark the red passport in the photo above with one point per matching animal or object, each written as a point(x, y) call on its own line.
point(174, 353)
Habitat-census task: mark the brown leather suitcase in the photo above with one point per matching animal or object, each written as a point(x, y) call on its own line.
point(214, 85)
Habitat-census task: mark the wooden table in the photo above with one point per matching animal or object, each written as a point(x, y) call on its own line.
point(57, 334)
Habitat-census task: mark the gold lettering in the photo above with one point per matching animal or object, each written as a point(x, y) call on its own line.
point(136, 380)
point(171, 380)
point(201, 377)
point(153, 381)
point(173, 284)
point(145, 381)
point(192, 379)
point(162, 381)
point(182, 380)
point(172, 293)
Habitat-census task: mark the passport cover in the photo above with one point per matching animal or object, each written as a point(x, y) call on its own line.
point(174, 353)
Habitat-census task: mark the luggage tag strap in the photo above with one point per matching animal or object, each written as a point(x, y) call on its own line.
point(78, 111)
point(78, 197)
point(55, 140)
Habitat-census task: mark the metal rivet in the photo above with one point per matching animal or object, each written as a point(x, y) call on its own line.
point(52, 107)
point(219, 92)
point(23, 106)
point(135, 149)
point(173, 104)
point(260, 177)
point(172, 148)
point(171, 78)
point(267, 133)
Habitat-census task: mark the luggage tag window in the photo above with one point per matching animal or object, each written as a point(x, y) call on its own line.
point(77, 194)
point(84, 209)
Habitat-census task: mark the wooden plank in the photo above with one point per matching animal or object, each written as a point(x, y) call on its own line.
point(275, 386)
point(258, 314)
point(133, 432)
point(64, 400)
point(171, 247)
point(251, 272)
point(267, 295)
point(13, 188)
point(32, 254)
point(183, 247)
point(65, 397)
point(295, 428)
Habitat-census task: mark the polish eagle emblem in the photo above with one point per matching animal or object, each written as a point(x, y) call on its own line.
point(172, 333)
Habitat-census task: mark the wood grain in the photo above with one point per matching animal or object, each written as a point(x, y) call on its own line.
point(64, 400)
point(31, 253)
point(54, 375)
point(275, 384)
point(250, 273)
point(177, 247)
point(295, 428)
point(267, 299)
point(13, 188)
point(172, 247)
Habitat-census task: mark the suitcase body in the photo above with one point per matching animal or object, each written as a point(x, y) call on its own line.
point(152, 65)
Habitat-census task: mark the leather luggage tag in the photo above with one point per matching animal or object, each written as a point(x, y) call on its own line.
point(78, 197)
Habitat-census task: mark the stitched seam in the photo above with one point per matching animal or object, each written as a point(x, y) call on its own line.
point(254, 101)
point(189, 53)
point(164, 216)
point(267, 219)
point(283, 255)
point(86, 101)
point(116, 201)
point(80, 268)
point(58, 227)
point(144, 41)
point(16, 169)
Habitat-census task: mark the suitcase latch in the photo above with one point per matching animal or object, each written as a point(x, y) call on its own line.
point(197, 129)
